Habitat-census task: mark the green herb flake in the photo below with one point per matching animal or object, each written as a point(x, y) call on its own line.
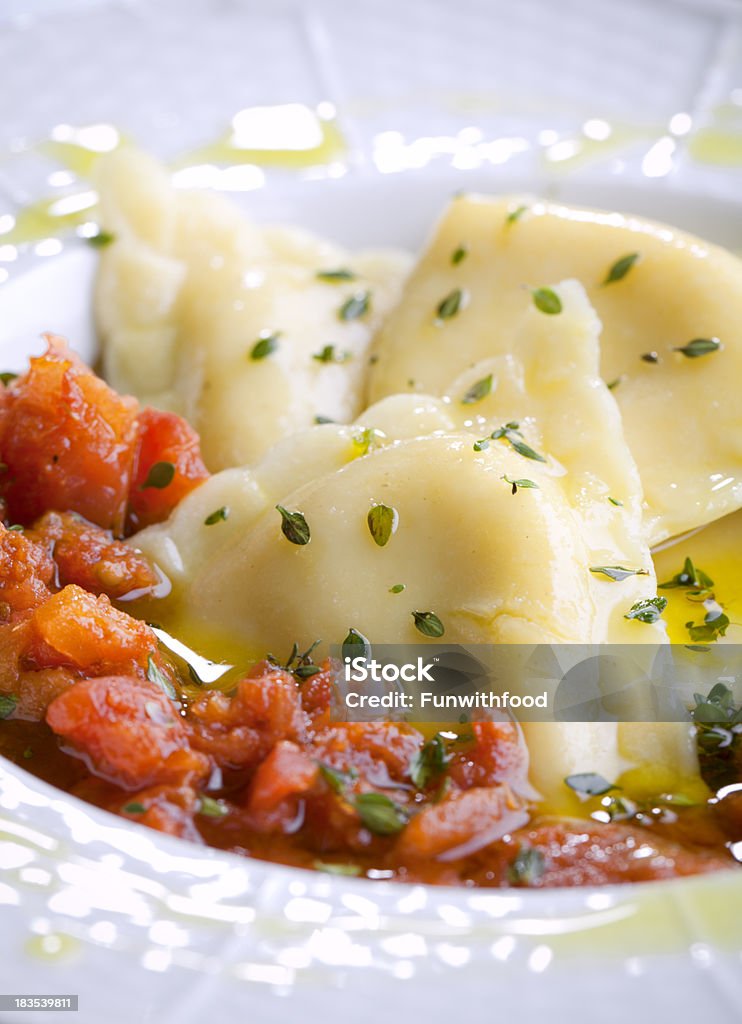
point(428, 624)
point(613, 384)
point(217, 516)
point(211, 808)
point(329, 868)
point(366, 440)
point(718, 721)
point(397, 588)
point(650, 357)
point(355, 306)
point(616, 502)
point(7, 377)
point(294, 526)
point(527, 868)
point(101, 239)
point(648, 610)
point(699, 347)
point(320, 420)
point(515, 215)
point(617, 573)
point(160, 476)
point(337, 780)
point(714, 625)
point(266, 344)
point(459, 254)
point(546, 301)
point(329, 355)
point(353, 641)
point(478, 391)
point(620, 268)
point(382, 523)
point(688, 577)
point(379, 814)
point(27, 754)
point(513, 436)
point(451, 305)
point(429, 762)
point(516, 484)
point(587, 784)
point(134, 808)
point(336, 276)
point(158, 677)
point(16, 528)
point(8, 704)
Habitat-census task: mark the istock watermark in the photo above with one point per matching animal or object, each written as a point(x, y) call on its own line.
point(448, 683)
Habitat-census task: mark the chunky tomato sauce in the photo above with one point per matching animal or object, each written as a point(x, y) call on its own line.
point(91, 701)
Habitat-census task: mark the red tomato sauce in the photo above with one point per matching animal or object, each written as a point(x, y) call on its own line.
point(91, 701)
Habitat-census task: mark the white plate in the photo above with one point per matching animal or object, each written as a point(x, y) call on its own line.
point(498, 97)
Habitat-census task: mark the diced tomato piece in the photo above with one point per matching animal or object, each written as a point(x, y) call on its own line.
point(26, 574)
point(316, 696)
point(75, 628)
point(240, 731)
point(498, 754)
point(68, 442)
point(169, 809)
point(89, 556)
point(277, 786)
point(452, 827)
point(380, 751)
point(590, 853)
point(164, 439)
point(128, 730)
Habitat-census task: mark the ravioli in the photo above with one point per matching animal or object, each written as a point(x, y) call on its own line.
point(494, 565)
point(203, 313)
point(682, 421)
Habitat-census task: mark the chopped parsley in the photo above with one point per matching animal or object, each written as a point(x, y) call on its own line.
point(515, 484)
point(329, 355)
point(354, 640)
point(459, 254)
point(451, 305)
point(379, 814)
point(7, 377)
point(301, 665)
point(699, 347)
point(587, 784)
point(648, 610)
point(617, 572)
point(613, 384)
point(527, 868)
point(294, 526)
point(160, 475)
point(8, 704)
point(355, 306)
point(320, 420)
point(513, 436)
point(335, 276)
point(134, 808)
point(217, 516)
point(620, 268)
point(337, 780)
point(478, 391)
point(397, 588)
point(718, 721)
point(428, 762)
point(428, 624)
point(715, 624)
point(615, 501)
point(382, 523)
point(266, 344)
point(211, 808)
point(329, 868)
point(692, 579)
point(546, 301)
point(515, 215)
point(101, 239)
point(650, 357)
